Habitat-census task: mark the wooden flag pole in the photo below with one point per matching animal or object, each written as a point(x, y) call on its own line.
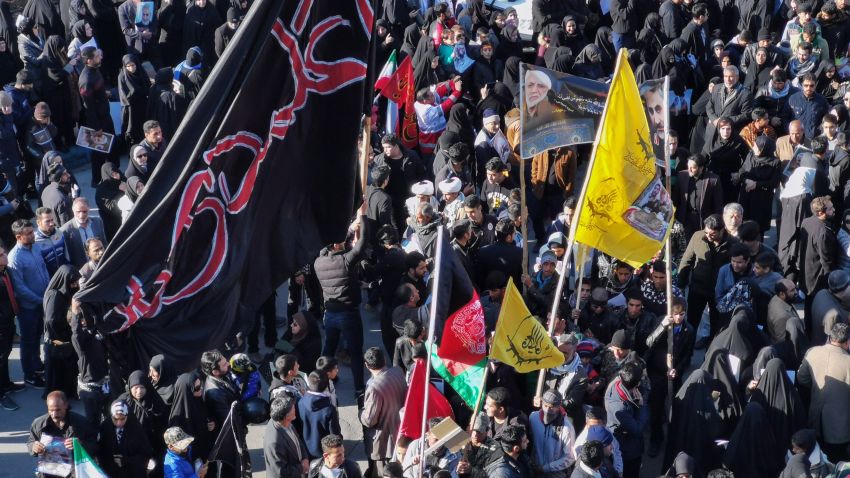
point(667, 253)
point(429, 344)
point(365, 146)
point(574, 225)
point(480, 399)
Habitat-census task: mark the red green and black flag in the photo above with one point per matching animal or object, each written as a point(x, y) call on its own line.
point(459, 322)
point(259, 176)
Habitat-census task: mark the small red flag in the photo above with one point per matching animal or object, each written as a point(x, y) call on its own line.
point(438, 406)
point(400, 89)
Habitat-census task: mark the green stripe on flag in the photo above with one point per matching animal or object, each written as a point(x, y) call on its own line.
point(84, 466)
point(466, 383)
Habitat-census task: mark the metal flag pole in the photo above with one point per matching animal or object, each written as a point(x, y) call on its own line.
point(575, 223)
point(668, 172)
point(435, 288)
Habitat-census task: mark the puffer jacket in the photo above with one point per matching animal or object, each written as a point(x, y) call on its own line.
point(337, 273)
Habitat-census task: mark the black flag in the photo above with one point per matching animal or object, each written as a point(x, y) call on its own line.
point(257, 179)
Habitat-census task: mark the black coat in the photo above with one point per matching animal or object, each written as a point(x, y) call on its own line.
point(818, 254)
point(500, 256)
point(95, 101)
point(337, 273)
point(706, 192)
point(128, 458)
point(766, 172)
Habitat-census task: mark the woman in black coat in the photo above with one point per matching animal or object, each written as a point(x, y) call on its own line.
point(163, 376)
point(147, 407)
point(725, 155)
point(61, 365)
point(199, 27)
point(757, 180)
point(133, 88)
point(188, 412)
point(107, 195)
point(56, 86)
point(306, 340)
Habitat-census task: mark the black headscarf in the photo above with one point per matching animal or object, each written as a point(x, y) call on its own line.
point(511, 77)
point(53, 61)
point(150, 410)
point(131, 193)
point(500, 99)
point(752, 449)
point(8, 31)
point(412, 34)
point(734, 338)
point(133, 86)
point(458, 122)
point(78, 30)
point(757, 75)
point(188, 412)
point(785, 410)
point(477, 14)
point(45, 16)
point(651, 38)
point(167, 376)
point(423, 75)
point(509, 47)
point(588, 63)
point(843, 117)
point(604, 40)
point(695, 422)
point(729, 402)
point(57, 302)
point(395, 12)
point(823, 83)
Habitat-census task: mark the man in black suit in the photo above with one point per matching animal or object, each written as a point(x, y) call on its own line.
point(79, 230)
point(697, 195)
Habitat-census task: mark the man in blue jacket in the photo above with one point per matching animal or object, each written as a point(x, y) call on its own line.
point(628, 416)
point(319, 416)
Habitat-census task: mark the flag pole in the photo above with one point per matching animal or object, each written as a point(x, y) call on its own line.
point(667, 181)
point(480, 395)
point(364, 152)
point(429, 344)
point(575, 222)
point(524, 217)
point(523, 206)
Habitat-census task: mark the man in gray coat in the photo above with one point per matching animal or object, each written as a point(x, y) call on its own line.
point(284, 452)
point(830, 305)
point(384, 399)
point(826, 372)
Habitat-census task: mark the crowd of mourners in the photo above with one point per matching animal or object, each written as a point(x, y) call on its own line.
point(758, 152)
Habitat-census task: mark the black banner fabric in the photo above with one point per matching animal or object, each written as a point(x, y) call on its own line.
point(257, 179)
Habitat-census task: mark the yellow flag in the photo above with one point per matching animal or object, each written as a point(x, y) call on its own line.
point(626, 211)
point(520, 340)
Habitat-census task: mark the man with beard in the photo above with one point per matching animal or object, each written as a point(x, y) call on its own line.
point(707, 251)
point(480, 451)
point(570, 380)
point(94, 251)
point(732, 101)
point(780, 309)
point(818, 250)
point(698, 194)
point(654, 100)
point(93, 92)
point(807, 106)
point(830, 306)
point(538, 109)
point(49, 241)
point(56, 195)
point(773, 97)
point(553, 437)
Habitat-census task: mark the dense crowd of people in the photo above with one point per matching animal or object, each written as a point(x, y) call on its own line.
point(758, 138)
